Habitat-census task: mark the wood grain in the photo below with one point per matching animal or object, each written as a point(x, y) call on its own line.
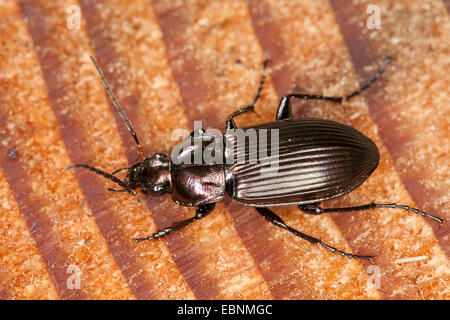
point(171, 63)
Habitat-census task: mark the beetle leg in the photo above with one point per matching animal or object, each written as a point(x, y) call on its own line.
point(316, 209)
point(201, 212)
point(230, 124)
point(118, 170)
point(371, 80)
point(250, 108)
point(284, 111)
point(284, 108)
point(270, 216)
point(118, 190)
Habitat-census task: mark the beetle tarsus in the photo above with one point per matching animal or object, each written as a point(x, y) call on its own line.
point(317, 210)
point(284, 111)
point(374, 77)
point(343, 253)
point(250, 108)
point(408, 208)
point(272, 217)
point(156, 235)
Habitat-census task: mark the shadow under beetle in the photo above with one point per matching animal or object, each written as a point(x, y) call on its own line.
point(318, 160)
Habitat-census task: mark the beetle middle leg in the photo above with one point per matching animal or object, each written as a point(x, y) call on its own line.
point(201, 212)
point(284, 108)
point(317, 210)
point(270, 216)
point(250, 108)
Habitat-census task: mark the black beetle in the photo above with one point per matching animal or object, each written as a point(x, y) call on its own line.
point(316, 160)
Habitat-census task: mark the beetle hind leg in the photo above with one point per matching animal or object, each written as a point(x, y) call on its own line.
point(316, 209)
point(201, 212)
point(270, 216)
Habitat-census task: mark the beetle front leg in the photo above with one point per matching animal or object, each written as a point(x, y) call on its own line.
point(270, 216)
point(201, 212)
point(317, 210)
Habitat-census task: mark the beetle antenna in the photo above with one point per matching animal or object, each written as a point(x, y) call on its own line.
point(100, 172)
point(119, 109)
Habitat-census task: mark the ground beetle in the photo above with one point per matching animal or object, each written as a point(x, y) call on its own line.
point(317, 160)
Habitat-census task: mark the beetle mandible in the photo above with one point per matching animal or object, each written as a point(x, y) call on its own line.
point(317, 160)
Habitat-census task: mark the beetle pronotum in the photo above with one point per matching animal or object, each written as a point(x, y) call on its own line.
point(317, 160)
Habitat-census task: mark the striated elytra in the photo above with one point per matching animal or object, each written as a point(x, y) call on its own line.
point(318, 160)
point(311, 160)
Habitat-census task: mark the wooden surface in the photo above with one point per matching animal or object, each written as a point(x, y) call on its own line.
point(173, 62)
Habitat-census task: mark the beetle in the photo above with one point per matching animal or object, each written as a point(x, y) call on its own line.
point(317, 160)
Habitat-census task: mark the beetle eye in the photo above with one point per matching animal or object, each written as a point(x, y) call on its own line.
point(158, 189)
point(159, 155)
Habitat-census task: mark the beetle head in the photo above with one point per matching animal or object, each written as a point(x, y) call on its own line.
point(151, 176)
